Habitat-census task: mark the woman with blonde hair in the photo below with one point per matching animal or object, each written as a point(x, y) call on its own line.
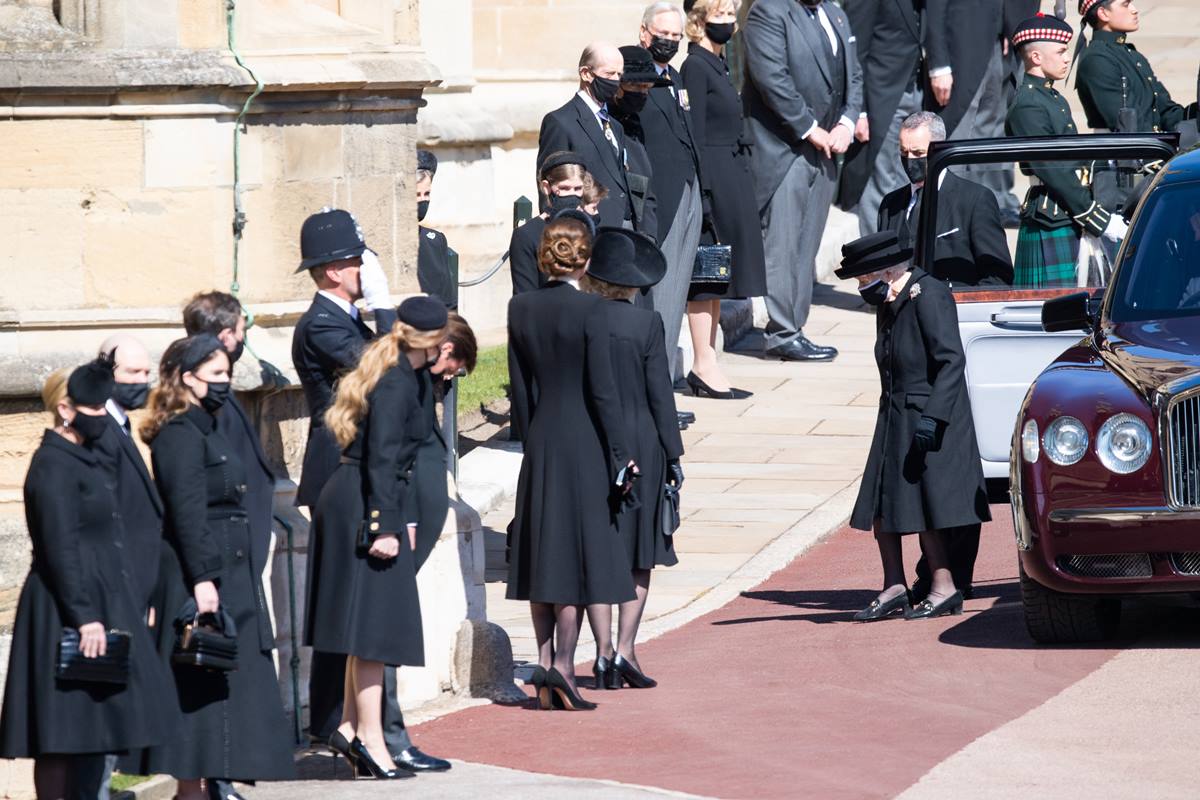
point(564, 551)
point(362, 594)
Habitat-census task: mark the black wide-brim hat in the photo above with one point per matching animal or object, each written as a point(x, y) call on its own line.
point(639, 67)
point(626, 258)
point(327, 236)
point(873, 253)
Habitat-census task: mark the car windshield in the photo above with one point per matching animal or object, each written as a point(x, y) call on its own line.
point(1160, 274)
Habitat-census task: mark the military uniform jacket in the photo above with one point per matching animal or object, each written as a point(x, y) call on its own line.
point(1107, 60)
point(1060, 196)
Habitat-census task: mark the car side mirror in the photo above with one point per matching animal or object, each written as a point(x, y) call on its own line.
point(1072, 312)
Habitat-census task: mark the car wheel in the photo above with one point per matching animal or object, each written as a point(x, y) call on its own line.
point(1056, 618)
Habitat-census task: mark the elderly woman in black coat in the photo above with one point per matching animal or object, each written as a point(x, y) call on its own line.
point(624, 262)
point(234, 726)
point(81, 580)
point(923, 474)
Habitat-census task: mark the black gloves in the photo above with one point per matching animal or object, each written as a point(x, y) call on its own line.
point(926, 438)
point(674, 473)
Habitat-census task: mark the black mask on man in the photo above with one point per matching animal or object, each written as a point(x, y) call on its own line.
point(218, 395)
point(875, 293)
point(631, 103)
point(915, 168)
point(662, 50)
point(604, 89)
point(719, 33)
point(422, 210)
point(236, 353)
point(563, 202)
point(131, 396)
point(88, 427)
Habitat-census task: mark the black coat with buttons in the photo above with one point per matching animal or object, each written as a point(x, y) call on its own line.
point(922, 371)
point(234, 726)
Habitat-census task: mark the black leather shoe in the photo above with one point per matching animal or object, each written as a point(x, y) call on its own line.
point(413, 759)
point(927, 609)
point(702, 389)
point(801, 349)
point(686, 417)
point(877, 610)
point(632, 675)
point(605, 674)
point(222, 790)
point(683, 426)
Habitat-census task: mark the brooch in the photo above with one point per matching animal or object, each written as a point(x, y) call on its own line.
point(914, 292)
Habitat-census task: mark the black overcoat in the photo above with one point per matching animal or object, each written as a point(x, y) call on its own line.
point(234, 424)
point(81, 572)
point(233, 723)
point(360, 605)
point(639, 363)
point(523, 256)
point(563, 542)
point(575, 128)
point(923, 373)
point(430, 472)
point(433, 266)
point(716, 115)
point(971, 248)
point(667, 136)
point(962, 35)
point(640, 171)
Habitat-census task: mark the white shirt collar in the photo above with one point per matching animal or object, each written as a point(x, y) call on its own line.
point(572, 282)
point(591, 103)
point(117, 412)
point(941, 179)
point(341, 303)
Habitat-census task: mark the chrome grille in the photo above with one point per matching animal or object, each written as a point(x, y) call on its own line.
point(1184, 433)
point(1186, 563)
point(1121, 565)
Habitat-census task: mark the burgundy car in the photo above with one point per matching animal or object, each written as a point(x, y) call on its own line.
point(1105, 466)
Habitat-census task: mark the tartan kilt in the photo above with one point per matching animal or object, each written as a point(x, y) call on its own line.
point(1045, 257)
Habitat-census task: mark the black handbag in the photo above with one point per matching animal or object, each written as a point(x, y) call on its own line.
point(713, 264)
point(670, 510)
point(205, 641)
point(112, 667)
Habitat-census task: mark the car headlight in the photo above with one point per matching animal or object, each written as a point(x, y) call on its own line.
point(1123, 444)
point(1066, 441)
point(1031, 447)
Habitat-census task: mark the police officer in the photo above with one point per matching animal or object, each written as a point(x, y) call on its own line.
point(433, 253)
point(1114, 75)
point(1059, 208)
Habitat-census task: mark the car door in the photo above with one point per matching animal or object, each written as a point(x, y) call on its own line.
point(1001, 323)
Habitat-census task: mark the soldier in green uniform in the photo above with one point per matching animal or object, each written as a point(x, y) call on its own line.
point(1113, 75)
point(1059, 207)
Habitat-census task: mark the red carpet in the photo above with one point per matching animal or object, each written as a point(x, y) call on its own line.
point(779, 695)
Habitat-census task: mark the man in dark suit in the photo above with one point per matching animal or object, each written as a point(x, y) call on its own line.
point(667, 135)
point(803, 98)
point(433, 252)
point(889, 49)
point(971, 248)
point(584, 126)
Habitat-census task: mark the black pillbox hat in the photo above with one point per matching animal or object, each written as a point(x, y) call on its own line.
point(91, 384)
point(427, 161)
point(423, 313)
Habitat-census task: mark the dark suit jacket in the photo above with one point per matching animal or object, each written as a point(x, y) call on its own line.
point(523, 258)
point(962, 35)
point(573, 127)
point(141, 507)
point(433, 266)
point(259, 500)
point(326, 344)
point(667, 136)
point(889, 49)
point(971, 247)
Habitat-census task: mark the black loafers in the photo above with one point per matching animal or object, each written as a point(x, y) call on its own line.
point(877, 610)
point(928, 609)
point(416, 761)
point(801, 349)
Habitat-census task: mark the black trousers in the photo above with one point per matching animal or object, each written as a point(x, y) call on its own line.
point(962, 548)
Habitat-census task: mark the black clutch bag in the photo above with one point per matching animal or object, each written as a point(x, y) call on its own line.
point(207, 641)
point(112, 667)
point(670, 510)
point(713, 264)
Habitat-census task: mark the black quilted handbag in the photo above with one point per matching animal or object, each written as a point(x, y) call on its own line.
point(713, 264)
point(206, 641)
point(112, 667)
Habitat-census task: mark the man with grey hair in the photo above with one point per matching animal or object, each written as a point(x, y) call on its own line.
point(971, 248)
point(584, 126)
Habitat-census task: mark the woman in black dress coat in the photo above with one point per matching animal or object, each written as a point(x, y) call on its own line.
point(623, 263)
point(362, 601)
point(564, 550)
point(560, 183)
point(81, 578)
point(923, 473)
point(716, 116)
point(233, 726)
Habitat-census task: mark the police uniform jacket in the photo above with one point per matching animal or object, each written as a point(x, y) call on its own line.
point(433, 266)
point(1060, 196)
point(233, 723)
point(922, 373)
point(667, 135)
point(359, 605)
point(81, 572)
point(1109, 58)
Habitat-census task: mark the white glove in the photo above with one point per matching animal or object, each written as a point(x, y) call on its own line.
point(1116, 229)
point(373, 282)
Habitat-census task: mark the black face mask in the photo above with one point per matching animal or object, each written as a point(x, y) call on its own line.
point(631, 103)
point(915, 168)
point(604, 89)
point(563, 202)
point(875, 293)
point(88, 427)
point(218, 395)
point(662, 50)
point(131, 396)
point(237, 352)
point(719, 33)
point(422, 210)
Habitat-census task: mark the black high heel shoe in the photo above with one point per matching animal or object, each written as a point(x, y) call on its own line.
point(541, 692)
point(631, 674)
point(368, 767)
point(877, 610)
point(341, 747)
point(927, 609)
point(562, 690)
point(606, 674)
point(701, 389)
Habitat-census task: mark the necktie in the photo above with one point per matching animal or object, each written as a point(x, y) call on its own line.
point(907, 232)
point(824, 35)
point(608, 131)
point(127, 427)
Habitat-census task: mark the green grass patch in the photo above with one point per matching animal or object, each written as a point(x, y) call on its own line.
point(488, 382)
point(121, 782)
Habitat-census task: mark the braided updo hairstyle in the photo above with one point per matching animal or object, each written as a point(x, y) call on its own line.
point(565, 247)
